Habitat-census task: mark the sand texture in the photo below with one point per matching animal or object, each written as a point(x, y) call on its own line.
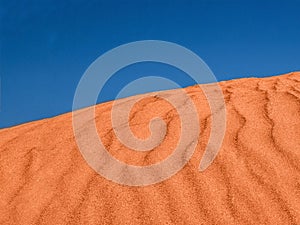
point(255, 178)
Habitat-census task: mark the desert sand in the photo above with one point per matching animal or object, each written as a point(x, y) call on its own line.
point(255, 178)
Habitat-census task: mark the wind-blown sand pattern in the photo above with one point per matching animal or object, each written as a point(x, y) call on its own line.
point(255, 178)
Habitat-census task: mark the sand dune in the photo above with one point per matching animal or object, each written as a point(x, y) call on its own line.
point(255, 178)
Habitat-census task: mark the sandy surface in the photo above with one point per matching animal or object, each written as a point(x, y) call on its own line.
point(255, 178)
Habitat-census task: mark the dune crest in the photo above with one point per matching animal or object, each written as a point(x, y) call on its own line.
point(255, 178)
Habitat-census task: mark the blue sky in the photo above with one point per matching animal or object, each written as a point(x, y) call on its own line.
point(45, 46)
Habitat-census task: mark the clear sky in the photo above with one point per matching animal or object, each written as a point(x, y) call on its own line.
point(45, 46)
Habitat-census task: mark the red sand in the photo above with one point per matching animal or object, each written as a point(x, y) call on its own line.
point(255, 178)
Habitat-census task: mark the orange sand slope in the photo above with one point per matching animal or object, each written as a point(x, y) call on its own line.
point(255, 178)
